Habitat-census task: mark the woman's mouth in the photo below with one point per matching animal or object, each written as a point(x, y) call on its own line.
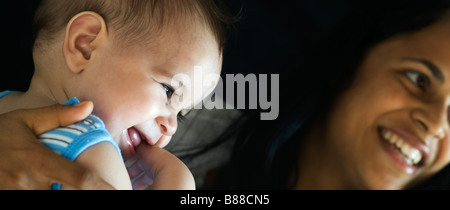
point(412, 156)
point(405, 149)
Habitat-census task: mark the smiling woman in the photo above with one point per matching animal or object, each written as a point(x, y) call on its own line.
point(406, 98)
point(375, 115)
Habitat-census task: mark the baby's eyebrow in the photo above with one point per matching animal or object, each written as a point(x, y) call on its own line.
point(437, 73)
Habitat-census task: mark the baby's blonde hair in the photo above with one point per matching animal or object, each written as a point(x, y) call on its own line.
point(133, 21)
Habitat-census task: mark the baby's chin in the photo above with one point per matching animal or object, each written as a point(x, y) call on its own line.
point(163, 141)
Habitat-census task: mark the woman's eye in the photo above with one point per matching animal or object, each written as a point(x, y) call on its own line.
point(420, 80)
point(169, 91)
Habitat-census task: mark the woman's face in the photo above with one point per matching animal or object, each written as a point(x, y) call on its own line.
point(390, 129)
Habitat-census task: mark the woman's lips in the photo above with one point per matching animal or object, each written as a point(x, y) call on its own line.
point(406, 150)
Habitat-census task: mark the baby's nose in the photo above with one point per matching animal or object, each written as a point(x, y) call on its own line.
point(167, 125)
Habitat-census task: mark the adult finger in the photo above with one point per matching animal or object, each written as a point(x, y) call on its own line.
point(51, 117)
point(27, 164)
point(74, 177)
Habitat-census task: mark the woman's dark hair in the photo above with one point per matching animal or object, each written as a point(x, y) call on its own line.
point(266, 154)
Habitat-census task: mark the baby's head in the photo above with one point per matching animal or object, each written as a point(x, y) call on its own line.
point(122, 55)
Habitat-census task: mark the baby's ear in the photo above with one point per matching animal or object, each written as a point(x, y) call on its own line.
point(85, 32)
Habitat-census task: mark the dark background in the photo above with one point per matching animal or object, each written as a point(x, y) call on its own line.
point(271, 36)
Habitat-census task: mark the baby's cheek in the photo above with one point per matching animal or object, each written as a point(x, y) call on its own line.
point(115, 119)
point(163, 141)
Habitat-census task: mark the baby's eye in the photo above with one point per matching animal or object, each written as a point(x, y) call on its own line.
point(169, 91)
point(420, 80)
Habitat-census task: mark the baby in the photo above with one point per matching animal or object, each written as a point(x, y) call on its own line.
point(122, 56)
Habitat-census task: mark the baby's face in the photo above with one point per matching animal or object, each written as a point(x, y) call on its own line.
point(132, 87)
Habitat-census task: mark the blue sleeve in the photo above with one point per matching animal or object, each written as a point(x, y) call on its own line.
point(72, 140)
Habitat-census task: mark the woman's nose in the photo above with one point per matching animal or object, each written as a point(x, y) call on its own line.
point(167, 125)
point(433, 120)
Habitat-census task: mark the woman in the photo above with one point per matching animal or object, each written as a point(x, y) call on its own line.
point(371, 108)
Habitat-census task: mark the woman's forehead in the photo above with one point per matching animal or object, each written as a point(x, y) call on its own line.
point(430, 45)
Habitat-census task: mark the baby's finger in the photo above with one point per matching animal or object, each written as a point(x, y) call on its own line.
point(134, 170)
point(143, 182)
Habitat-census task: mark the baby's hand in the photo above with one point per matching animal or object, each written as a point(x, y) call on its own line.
point(161, 169)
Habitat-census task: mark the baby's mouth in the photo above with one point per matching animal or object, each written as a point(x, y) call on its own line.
point(130, 139)
point(134, 136)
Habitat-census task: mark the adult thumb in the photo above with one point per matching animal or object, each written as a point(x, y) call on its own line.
point(47, 118)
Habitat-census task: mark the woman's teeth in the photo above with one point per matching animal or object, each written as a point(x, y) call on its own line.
point(412, 156)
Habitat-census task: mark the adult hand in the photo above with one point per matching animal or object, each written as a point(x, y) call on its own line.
point(26, 164)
